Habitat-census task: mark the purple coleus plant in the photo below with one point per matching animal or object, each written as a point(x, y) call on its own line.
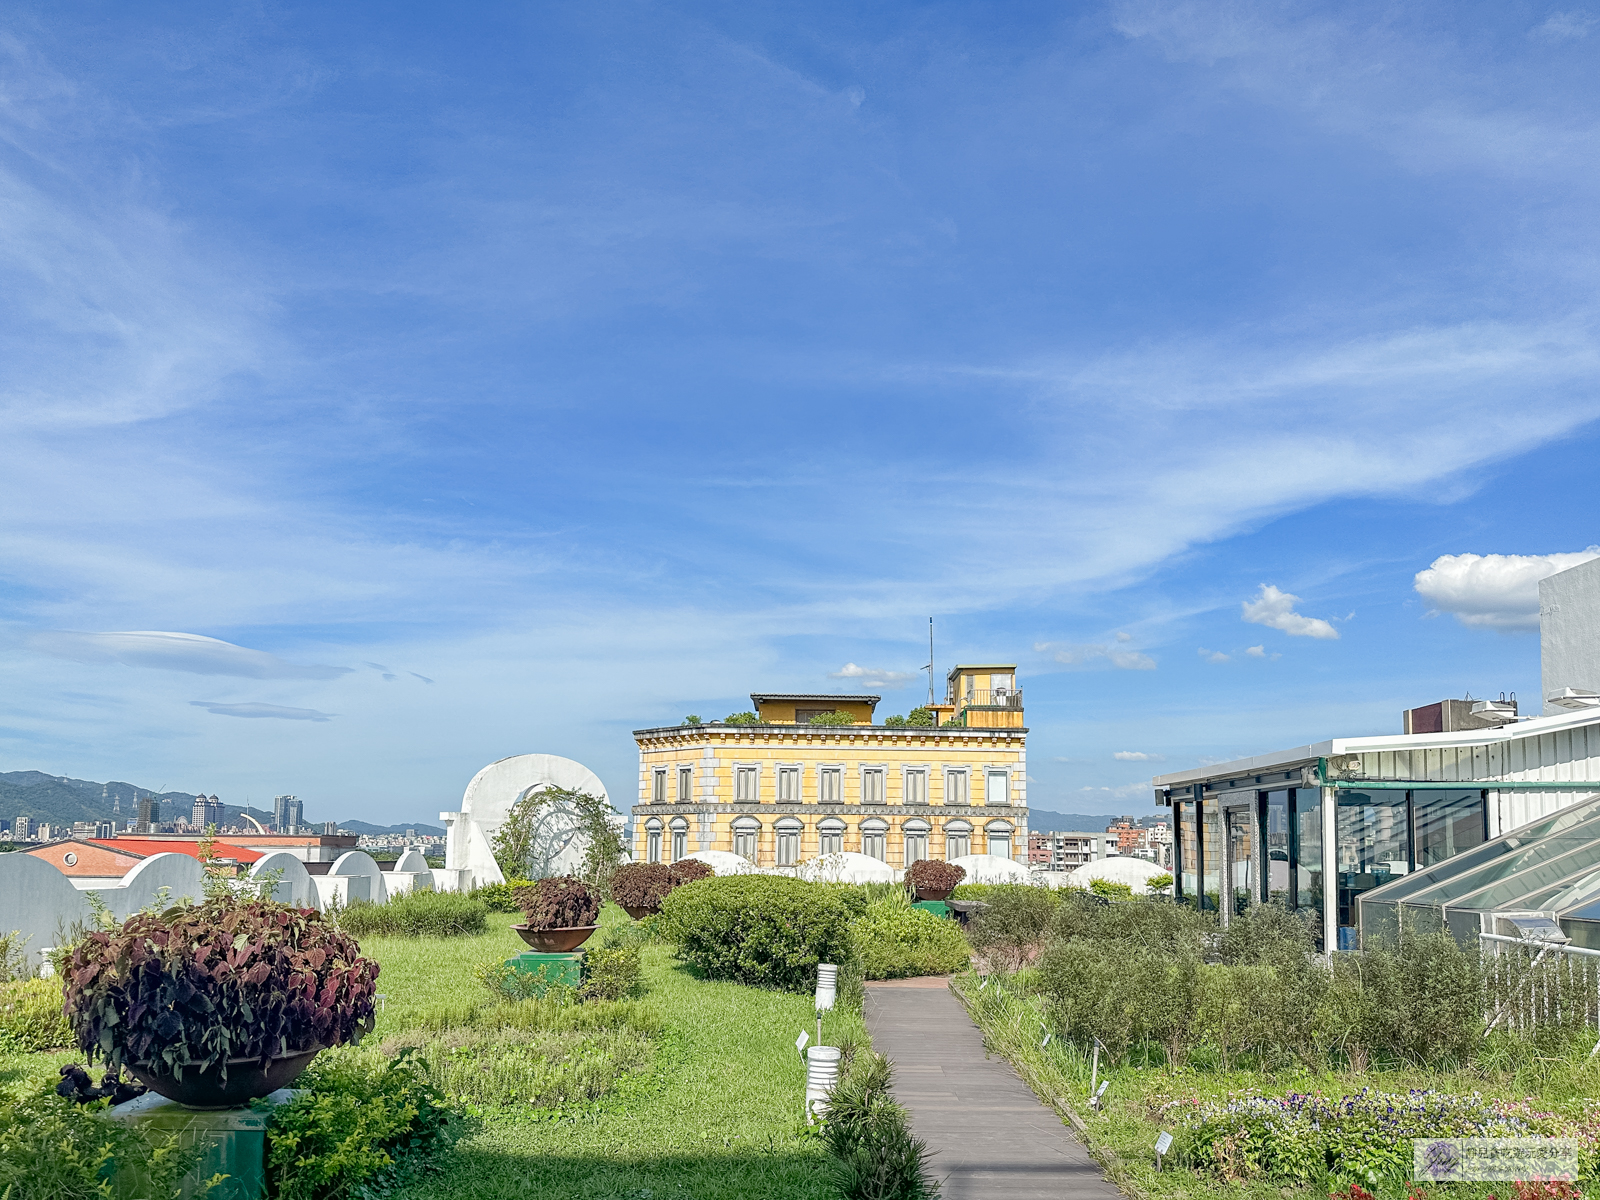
point(202, 984)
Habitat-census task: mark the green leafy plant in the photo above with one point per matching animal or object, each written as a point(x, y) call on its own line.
point(51, 1147)
point(14, 956)
point(418, 914)
point(522, 843)
point(832, 718)
point(507, 983)
point(612, 971)
point(741, 718)
point(897, 941)
point(197, 985)
point(764, 930)
point(690, 870)
point(875, 1155)
point(1111, 889)
point(559, 903)
point(500, 897)
point(361, 1121)
point(931, 875)
point(920, 717)
point(692, 719)
point(30, 1016)
point(1012, 929)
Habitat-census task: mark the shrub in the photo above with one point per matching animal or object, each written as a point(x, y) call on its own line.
point(201, 984)
point(1111, 889)
point(30, 1016)
point(360, 1122)
point(506, 983)
point(741, 718)
point(833, 718)
point(51, 1147)
point(930, 875)
point(690, 870)
point(898, 942)
point(1013, 927)
point(560, 903)
point(418, 914)
point(763, 930)
point(611, 971)
point(875, 1155)
point(500, 897)
point(13, 957)
point(641, 885)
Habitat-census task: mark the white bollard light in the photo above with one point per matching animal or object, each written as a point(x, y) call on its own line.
point(827, 986)
point(822, 1073)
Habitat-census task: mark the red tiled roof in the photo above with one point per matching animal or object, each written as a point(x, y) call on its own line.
point(149, 846)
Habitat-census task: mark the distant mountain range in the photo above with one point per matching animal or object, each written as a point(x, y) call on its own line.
point(60, 800)
point(1042, 820)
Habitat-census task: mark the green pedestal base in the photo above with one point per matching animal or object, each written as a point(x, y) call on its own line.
point(565, 969)
point(937, 907)
point(234, 1141)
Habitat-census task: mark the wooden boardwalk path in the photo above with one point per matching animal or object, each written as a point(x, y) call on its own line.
point(991, 1137)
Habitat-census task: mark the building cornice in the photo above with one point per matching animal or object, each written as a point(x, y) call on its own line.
point(839, 733)
point(1016, 813)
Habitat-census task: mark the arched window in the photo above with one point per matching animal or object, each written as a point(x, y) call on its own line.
point(830, 836)
point(789, 841)
point(957, 839)
point(680, 838)
point(999, 833)
point(916, 841)
point(652, 841)
point(875, 839)
point(747, 837)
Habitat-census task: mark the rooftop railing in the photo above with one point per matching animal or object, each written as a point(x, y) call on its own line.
point(992, 698)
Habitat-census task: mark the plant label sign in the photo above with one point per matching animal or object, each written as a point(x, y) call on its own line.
point(1163, 1142)
point(984, 983)
point(800, 1043)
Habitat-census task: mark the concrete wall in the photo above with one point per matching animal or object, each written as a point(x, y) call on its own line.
point(294, 881)
point(1569, 630)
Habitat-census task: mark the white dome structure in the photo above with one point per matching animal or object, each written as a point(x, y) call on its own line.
point(724, 863)
point(846, 867)
point(991, 868)
point(1135, 872)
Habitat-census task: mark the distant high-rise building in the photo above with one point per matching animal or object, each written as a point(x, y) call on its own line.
point(329, 828)
point(22, 828)
point(286, 813)
point(147, 817)
point(206, 811)
point(105, 829)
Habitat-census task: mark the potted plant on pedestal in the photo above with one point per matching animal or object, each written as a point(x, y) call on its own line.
point(933, 880)
point(640, 887)
point(562, 913)
point(213, 1005)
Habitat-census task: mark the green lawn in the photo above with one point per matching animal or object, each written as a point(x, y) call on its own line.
point(721, 1120)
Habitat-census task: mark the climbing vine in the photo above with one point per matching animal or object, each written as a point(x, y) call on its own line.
point(545, 821)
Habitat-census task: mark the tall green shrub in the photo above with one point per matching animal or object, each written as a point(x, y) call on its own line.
point(897, 941)
point(418, 914)
point(30, 1016)
point(1014, 926)
point(762, 930)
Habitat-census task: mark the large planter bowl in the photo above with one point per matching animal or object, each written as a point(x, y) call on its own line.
point(247, 1080)
point(934, 893)
point(555, 941)
point(640, 911)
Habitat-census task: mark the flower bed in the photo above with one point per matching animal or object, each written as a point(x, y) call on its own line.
point(1307, 1137)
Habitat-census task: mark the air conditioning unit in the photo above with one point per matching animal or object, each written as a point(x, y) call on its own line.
point(1570, 697)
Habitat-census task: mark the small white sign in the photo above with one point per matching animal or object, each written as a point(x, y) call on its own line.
point(800, 1042)
point(1101, 1090)
point(1164, 1142)
point(1046, 1041)
point(984, 984)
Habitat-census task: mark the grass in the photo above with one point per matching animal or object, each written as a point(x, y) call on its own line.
point(1122, 1135)
point(716, 1115)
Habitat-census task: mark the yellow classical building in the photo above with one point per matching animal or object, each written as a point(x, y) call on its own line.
point(786, 789)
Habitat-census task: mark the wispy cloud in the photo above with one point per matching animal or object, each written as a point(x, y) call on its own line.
point(1116, 653)
point(1138, 756)
point(189, 652)
point(1493, 591)
point(1215, 656)
point(873, 678)
point(1564, 27)
point(273, 711)
point(1275, 609)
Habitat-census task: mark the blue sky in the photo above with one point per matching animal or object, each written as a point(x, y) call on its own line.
point(506, 379)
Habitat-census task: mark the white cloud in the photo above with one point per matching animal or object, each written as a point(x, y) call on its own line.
point(1256, 651)
point(189, 652)
point(1128, 791)
point(1214, 656)
point(1493, 591)
point(263, 710)
point(1138, 756)
point(1564, 27)
point(868, 677)
point(1116, 653)
point(1275, 610)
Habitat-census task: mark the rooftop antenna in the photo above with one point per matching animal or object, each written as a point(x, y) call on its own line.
point(930, 661)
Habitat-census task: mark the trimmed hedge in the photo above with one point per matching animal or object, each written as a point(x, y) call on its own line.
point(418, 914)
point(899, 942)
point(500, 897)
point(762, 930)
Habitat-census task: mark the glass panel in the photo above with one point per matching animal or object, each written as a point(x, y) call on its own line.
point(916, 847)
point(653, 854)
point(658, 791)
point(1000, 845)
point(1556, 868)
point(745, 843)
point(685, 784)
point(872, 786)
point(830, 841)
point(916, 787)
point(956, 845)
point(958, 788)
point(788, 848)
point(1305, 857)
point(1447, 823)
point(1499, 859)
point(1277, 848)
point(997, 789)
point(1188, 849)
point(872, 845)
point(828, 785)
point(1211, 864)
point(680, 844)
point(1374, 846)
point(1241, 842)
